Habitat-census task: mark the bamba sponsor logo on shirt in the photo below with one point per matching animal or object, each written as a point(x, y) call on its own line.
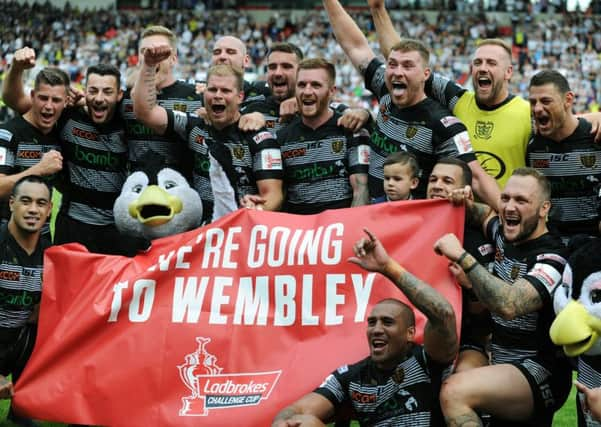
point(94, 158)
point(22, 299)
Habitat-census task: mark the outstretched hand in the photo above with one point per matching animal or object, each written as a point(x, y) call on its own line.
point(370, 254)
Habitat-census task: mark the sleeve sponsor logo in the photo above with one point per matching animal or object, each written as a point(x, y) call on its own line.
point(262, 136)
point(551, 257)
point(449, 121)
point(363, 152)
point(3, 157)
point(486, 249)
point(463, 143)
point(271, 159)
point(546, 274)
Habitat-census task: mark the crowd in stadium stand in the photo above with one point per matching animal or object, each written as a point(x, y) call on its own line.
point(570, 43)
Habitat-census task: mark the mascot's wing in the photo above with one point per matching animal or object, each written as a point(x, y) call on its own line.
point(577, 303)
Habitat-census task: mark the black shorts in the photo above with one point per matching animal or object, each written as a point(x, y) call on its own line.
point(104, 239)
point(16, 345)
point(550, 384)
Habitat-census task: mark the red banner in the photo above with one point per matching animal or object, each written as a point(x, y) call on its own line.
point(222, 325)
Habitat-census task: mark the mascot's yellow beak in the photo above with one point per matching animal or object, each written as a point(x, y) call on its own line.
point(575, 329)
point(155, 206)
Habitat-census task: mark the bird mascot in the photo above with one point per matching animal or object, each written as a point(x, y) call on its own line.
point(157, 202)
point(577, 327)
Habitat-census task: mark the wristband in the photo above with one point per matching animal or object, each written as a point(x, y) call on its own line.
point(470, 268)
point(461, 258)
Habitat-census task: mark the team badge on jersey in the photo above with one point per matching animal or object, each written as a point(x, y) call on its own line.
point(180, 107)
point(588, 160)
point(239, 153)
point(484, 129)
point(411, 132)
point(337, 146)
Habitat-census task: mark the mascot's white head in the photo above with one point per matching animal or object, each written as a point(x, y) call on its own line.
point(157, 203)
point(577, 302)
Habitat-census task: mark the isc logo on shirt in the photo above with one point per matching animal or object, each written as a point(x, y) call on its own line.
point(2, 156)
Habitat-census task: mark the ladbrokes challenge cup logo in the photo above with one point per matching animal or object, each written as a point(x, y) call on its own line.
point(212, 389)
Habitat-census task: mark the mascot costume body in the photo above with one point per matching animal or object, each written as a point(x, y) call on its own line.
point(577, 326)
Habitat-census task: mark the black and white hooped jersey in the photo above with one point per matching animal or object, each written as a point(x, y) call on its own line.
point(95, 159)
point(253, 155)
point(20, 279)
point(179, 96)
point(541, 262)
point(22, 146)
point(426, 129)
point(573, 168)
point(404, 396)
point(318, 164)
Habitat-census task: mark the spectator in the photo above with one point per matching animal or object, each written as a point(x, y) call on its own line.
point(401, 176)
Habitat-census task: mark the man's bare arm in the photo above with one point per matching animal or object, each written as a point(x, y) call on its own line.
point(13, 91)
point(360, 189)
point(50, 163)
point(311, 404)
point(485, 185)
point(440, 336)
point(271, 191)
point(387, 35)
point(349, 35)
point(144, 93)
point(502, 298)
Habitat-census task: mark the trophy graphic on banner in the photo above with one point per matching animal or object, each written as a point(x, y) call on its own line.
point(194, 405)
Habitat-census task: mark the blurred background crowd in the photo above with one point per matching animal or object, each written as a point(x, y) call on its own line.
point(552, 34)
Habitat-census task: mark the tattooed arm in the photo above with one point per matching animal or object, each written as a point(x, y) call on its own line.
point(507, 300)
point(440, 336)
point(349, 35)
point(144, 93)
point(308, 409)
